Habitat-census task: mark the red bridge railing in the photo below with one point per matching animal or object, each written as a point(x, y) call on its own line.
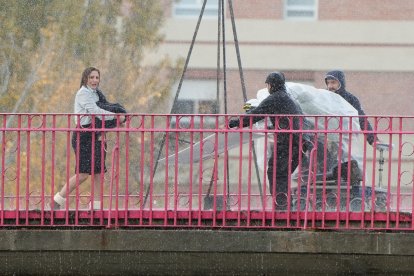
point(192, 171)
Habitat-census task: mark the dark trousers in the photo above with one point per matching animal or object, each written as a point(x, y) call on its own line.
point(282, 173)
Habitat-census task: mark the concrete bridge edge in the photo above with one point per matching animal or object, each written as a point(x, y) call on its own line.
point(203, 252)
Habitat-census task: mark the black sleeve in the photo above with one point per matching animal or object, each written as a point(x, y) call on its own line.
point(265, 107)
point(234, 123)
point(363, 121)
point(102, 98)
point(112, 107)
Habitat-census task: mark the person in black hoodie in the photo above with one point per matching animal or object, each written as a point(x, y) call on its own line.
point(287, 146)
point(335, 82)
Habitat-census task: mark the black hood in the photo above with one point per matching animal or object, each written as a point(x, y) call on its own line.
point(277, 82)
point(337, 75)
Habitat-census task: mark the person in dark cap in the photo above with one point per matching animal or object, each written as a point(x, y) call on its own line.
point(287, 146)
point(335, 82)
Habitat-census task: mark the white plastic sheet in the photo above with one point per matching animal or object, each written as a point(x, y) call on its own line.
point(314, 101)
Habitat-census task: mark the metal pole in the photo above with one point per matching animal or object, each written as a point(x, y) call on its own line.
point(236, 44)
point(176, 95)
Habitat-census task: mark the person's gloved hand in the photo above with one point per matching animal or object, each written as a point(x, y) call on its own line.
point(234, 123)
point(247, 106)
point(250, 104)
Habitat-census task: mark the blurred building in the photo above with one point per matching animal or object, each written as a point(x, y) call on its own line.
point(372, 41)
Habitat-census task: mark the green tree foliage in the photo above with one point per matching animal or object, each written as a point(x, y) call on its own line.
point(44, 47)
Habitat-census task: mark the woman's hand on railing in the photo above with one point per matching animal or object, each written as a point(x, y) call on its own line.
point(122, 120)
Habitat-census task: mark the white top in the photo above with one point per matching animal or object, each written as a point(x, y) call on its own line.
point(85, 103)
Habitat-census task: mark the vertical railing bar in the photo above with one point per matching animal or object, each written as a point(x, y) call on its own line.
point(348, 176)
point(190, 193)
point(364, 183)
point(324, 170)
point(249, 172)
point(68, 144)
point(390, 151)
point(92, 187)
point(308, 187)
point(28, 149)
point(373, 186)
point(226, 193)
point(142, 162)
point(412, 190)
point(151, 180)
point(200, 178)
point(264, 197)
point(77, 157)
point(42, 193)
point(3, 170)
point(388, 197)
point(117, 173)
point(390, 148)
point(103, 149)
point(166, 185)
point(239, 184)
point(52, 182)
point(339, 180)
point(215, 176)
point(126, 198)
point(19, 126)
point(274, 171)
point(113, 173)
point(313, 169)
point(289, 180)
point(176, 172)
point(299, 173)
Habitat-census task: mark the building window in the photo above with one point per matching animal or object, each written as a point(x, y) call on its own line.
point(301, 9)
point(197, 97)
point(192, 8)
point(185, 106)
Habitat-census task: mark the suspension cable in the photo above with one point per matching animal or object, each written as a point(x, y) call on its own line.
point(174, 105)
point(236, 44)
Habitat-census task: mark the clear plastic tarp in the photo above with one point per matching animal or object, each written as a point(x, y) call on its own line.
point(338, 115)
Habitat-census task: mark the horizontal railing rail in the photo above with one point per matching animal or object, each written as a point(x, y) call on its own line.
point(192, 170)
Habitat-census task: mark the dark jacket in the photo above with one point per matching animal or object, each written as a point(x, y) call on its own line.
point(112, 107)
point(276, 103)
point(363, 122)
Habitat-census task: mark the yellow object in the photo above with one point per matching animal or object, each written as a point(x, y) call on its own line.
point(247, 106)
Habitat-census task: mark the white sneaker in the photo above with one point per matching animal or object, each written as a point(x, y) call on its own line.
point(59, 202)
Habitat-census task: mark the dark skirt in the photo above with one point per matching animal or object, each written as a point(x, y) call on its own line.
point(85, 152)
